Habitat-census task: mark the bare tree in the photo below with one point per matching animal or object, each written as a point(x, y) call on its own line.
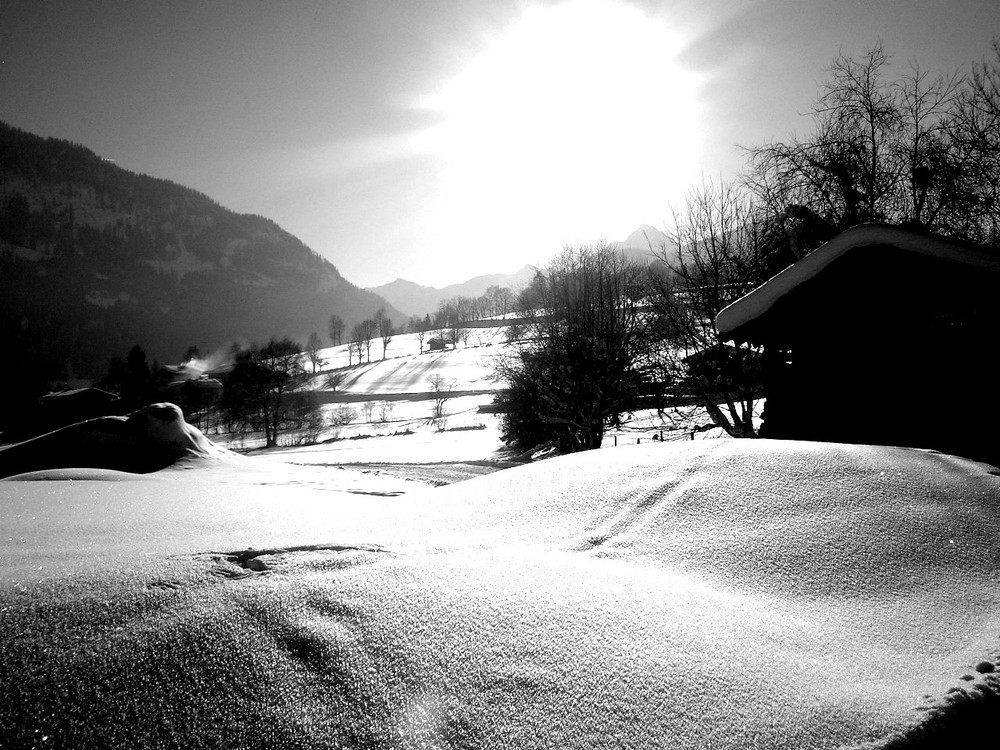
point(504, 300)
point(448, 320)
point(420, 326)
point(416, 325)
point(361, 337)
point(368, 408)
point(929, 166)
point(976, 126)
point(336, 329)
point(334, 380)
point(906, 149)
point(313, 345)
point(383, 328)
point(385, 411)
point(368, 331)
point(356, 342)
point(721, 252)
point(260, 394)
point(441, 389)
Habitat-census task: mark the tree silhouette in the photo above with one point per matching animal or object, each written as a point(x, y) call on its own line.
point(589, 351)
point(336, 329)
point(260, 393)
point(383, 328)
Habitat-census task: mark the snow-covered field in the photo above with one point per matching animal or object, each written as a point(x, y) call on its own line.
point(395, 396)
point(707, 594)
point(391, 401)
point(698, 593)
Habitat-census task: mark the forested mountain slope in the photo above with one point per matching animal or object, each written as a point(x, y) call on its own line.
point(95, 258)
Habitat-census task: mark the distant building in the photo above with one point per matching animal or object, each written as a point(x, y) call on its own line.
point(203, 390)
point(77, 405)
point(221, 373)
point(883, 335)
point(436, 344)
point(189, 387)
point(176, 374)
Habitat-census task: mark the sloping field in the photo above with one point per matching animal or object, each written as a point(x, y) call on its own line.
point(712, 594)
point(405, 369)
point(468, 369)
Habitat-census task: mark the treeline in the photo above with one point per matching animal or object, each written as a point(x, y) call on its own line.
point(494, 302)
point(914, 148)
point(448, 322)
point(362, 334)
point(44, 161)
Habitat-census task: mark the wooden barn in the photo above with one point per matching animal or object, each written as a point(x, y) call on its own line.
point(883, 335)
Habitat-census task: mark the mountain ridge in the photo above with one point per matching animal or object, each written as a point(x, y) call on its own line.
point(644, 245)
point(419, 300)
point(95, 258)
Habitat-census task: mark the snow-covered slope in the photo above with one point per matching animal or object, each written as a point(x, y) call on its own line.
point(713, 594)
point(464, 369)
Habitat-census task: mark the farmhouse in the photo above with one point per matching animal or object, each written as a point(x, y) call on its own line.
point(77, 405)
point(883, 335)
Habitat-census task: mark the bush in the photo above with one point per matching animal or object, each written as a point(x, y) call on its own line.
point(587, 351)
point(343, 415)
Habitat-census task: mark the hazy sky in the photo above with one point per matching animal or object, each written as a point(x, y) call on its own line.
point(440, 139)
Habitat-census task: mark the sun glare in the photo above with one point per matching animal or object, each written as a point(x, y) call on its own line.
point(575, 124)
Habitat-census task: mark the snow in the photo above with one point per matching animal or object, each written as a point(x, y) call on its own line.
point(468, 356)
point(693, 593)
point(477, 439)
point(702, 594)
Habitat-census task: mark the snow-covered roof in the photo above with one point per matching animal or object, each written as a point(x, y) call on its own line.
point(76, 392)
point(751, 307)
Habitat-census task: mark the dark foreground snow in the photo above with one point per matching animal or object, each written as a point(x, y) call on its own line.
point(728, 594)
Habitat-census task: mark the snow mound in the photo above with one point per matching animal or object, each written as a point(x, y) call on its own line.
point(75, 475)
point(788, 517)
point(149, 439)
point(712, 594)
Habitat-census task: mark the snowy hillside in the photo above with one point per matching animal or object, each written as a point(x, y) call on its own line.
point(392, 398)
point(406, 368)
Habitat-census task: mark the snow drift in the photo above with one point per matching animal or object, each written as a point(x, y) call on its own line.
point(713, 594)
point(148, 440)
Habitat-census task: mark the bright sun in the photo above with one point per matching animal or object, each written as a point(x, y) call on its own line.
point(575, 124)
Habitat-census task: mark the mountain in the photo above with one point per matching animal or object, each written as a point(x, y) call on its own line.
point(644, 244)
point(414, 299)
point(95, 259)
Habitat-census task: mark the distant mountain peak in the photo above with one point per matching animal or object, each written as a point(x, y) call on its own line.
point(416, 299)
point(646, 238)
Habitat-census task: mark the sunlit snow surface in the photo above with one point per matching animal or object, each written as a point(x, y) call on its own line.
point(710, 594)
